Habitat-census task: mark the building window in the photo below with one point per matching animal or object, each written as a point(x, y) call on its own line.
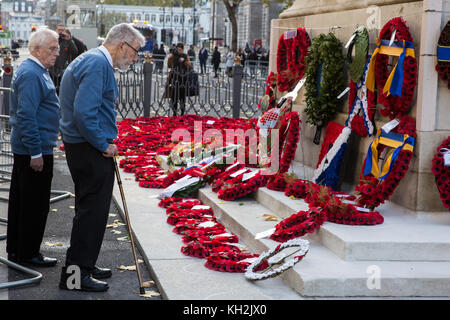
point(23, 6)
point(175, 19)
point(167, 18)
point(181, 19)
point(138, 16)
point(132, 17)
point(161, 18)
point(153, 17)
point(16, 6)
point(147, 17)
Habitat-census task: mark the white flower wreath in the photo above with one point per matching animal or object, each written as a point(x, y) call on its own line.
point(254, 276)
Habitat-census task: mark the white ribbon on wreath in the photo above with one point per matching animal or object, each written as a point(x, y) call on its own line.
point(328, 158)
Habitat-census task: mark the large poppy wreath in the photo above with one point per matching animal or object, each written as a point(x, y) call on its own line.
point(291, 53)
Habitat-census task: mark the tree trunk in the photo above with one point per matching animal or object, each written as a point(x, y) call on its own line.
point(231, 10)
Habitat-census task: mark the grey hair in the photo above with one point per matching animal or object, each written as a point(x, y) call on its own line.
point(40, 37)
point(123, 32)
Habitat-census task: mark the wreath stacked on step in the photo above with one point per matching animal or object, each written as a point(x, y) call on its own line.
point(442, 173)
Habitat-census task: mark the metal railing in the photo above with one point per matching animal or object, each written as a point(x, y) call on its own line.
point(143, 91)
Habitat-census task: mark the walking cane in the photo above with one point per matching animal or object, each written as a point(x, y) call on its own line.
point(127, 218)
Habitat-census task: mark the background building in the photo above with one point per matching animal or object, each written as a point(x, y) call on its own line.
point(18, 16)
point(173, 24)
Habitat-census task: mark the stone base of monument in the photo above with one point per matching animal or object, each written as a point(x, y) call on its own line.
point(406, 256)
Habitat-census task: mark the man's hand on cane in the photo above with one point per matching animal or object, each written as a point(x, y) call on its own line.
point(111, 151)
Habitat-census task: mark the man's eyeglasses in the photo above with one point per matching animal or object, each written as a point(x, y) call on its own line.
point(54, 49)
point(137, 52)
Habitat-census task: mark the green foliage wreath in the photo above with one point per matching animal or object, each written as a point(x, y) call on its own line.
point(325, 53)
point(361, 44)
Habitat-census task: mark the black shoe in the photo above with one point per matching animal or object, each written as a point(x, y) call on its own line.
point(87, 283)
point(101, 273)
point(40, 261)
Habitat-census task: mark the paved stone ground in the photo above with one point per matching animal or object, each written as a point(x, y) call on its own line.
point(114, 253)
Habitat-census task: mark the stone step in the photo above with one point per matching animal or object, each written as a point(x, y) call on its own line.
point(401, 237)
point(324, 274)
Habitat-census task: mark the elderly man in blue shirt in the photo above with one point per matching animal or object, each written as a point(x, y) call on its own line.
point(88, 127)
point(34, 116)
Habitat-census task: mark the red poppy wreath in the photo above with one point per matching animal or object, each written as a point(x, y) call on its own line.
point(442, 172)
point(396, 88)
point(443, 65)
point(291, 52)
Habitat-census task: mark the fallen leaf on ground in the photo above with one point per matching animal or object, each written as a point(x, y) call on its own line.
point(128, 268)
point(54, 210)
point(150, 294)
point(269, 217)
point(57, 244)
point(126, 238)
point(72, 207)
point(112, 225)
point(147, 284)
point(112, 214)
point(116, 231)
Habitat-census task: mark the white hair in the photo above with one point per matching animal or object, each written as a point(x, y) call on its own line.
point(40, 37)
point(123, 32)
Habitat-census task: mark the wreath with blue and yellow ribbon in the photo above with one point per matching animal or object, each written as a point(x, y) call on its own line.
point(396, 87)
point(443, 55)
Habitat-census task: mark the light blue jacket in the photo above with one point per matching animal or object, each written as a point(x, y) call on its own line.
point(87, 92)
point(34, 110)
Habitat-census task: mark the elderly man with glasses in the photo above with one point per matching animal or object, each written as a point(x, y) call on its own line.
point(88, 127)
point(34, 116)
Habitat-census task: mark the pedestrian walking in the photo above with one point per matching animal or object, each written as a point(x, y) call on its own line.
point(216, 61)
point(34, 116)
point(230, 62)
point(88, 128)
point(203, 58)
point(176, 85)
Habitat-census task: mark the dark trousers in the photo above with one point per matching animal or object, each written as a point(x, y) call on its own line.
point(28, 206)
point(93, 177)
point(202, 66)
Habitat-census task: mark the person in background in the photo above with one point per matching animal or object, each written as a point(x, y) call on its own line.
point(216, 61)
point(67, 52)
point(203, 58)
point(180, 64)
point(160, 58)
point(230, 62)
point(34, 116)
point(88, 129)
point(252, 61)
point(191, 53)
point(81, 47)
